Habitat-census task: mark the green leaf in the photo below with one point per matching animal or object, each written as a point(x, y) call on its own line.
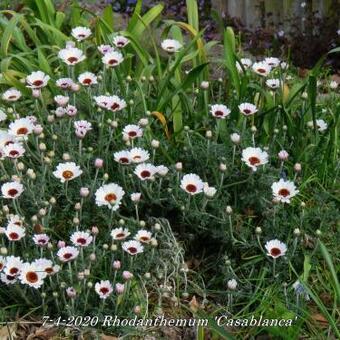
point(7, 35)
point(108, 17)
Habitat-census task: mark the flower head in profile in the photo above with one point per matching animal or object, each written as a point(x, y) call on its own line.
point(68, 253)
point(139, 155)
point(219, 111)
point(109, 195)
point(47, 266)
point(122, 157)
point(273, 83)
point(321, 125)
point(12, 190)
point(133, 247)
point(103, 288)
point(145, 171)
point(11, 95)
point(112, 59)
point(247, 109)
point(12, 265)
point(36, 80)
point(120, 41)
point(275, 248)
point(82, 127)
point(71, 56)
point(254, 157)
point(103, 49)
point(87, 79)
point(41, 240)
point(120, 233)
point(65, 83)
point(171, 45)
point(262, 68)
point(67, 171)
point(132, 131)
point(81, 33)
point(143, 236)
point(192, 184)
point(13, 150)
point(272, 61)
point(284, 191)
point(246, 63)
point(81, 238)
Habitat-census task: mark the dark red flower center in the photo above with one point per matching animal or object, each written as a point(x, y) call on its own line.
point(114, 106)
point(261, 70)
point(284, 192)
point(14, 153)
point(67, 256)
point(14, 270)
point(110, 197)
point(12, 192)
point(145, 174)
point(104, 290)
point(275, 251)
point(67, 174)
point(22, 131)
point(219, 113)
point(132, 250)
point(191, 188)
point(72, 60)
point(87, 81)
point(112, 62)
point(13, 236)
point(254, 160)
point(38, 82)
point(81, 240)
point(32, 277)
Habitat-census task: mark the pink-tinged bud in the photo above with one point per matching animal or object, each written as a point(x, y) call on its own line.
point(119, 288)
point(283, 155)
point(98, 163)
point(179, 166)
point(116, 265)
point(71, 292)
point(94, 230)
point(80, 133)
point(38, 129)
point(75, 87)
point(84, 192)
point(135, 197)
point(36, 93)
point(127, 275)
point(61, 244)
point(92, 257)
point(70, 44)
point(297, 167)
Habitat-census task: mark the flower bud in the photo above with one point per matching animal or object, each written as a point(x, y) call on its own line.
point(98, 163)
point(84, 192)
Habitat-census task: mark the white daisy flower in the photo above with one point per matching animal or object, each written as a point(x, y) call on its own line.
point(132, 131)
point(246, 63)
point(71, 56)
point(46, 266)
point(104, 289)
point(219, 111)
point(120, 41)
point(12, 190)
point(139, 155)
point(13, 150)
point(162, 170)
point(145, 171)
point(115, 104)
point(82, 127)
point(8, 279)
point(21, 128)
point(67, 253)
point(284, 190)
point(209, 192)
point(109, 195)
point(112, 59)
point(13, 265)
point(81, 238)
point(254, 157)
point(273, 83)
point(11, 95)
point(103, 49)
point(171, 45)
point(275, 248)
point(14, 233)
point(71, 110)
point(143, 236)
point(247, 109)
point(61, 100)
point(65, 83)
point(192, 184)
point(320, 124)
point(133, 247)
point(81, 33)
point(36, 80)
point(272, 61)
point(60, 112)
point(119, 234)
point(41, 240)
point(15, 220)
point(87, 79)
point(32, 275)
point(122, 157)
point(6, 139)
point(261, 68)
point(135, 197)
point(67, 171)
